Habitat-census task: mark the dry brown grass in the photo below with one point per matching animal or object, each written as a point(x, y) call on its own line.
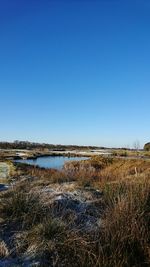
point(4, 252)
point(125, 235)
point(122, 239)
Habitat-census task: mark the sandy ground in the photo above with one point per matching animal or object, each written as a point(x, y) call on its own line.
point(4, 175)
point(4, 170)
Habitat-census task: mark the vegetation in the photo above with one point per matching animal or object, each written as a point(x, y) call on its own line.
point(131, 153)
point(147, 147)
point(33, 225)
point(31, 145)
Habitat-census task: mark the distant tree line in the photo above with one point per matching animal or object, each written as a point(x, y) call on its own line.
point(31, 145)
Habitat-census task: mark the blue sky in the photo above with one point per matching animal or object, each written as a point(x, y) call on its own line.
point(75, 72)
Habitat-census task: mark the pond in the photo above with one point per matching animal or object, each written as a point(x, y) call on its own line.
point(55, 162)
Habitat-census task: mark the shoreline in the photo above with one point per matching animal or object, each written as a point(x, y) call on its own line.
point(28, 154)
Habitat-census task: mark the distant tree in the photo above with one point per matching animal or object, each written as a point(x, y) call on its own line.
point(136, 146)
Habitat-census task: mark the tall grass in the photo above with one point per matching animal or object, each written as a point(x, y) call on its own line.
point(125, 236)
point(121, 240)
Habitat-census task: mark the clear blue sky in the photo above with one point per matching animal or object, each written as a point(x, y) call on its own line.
point(75, 72)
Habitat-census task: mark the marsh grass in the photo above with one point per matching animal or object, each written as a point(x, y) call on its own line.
point(121, 240)
point(125, 235)
point(22, 208)
point(55, 243)
point(3, 249)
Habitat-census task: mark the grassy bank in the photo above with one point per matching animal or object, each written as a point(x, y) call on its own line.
point(39, 226)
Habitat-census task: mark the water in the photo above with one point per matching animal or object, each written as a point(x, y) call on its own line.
point(55, 162)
